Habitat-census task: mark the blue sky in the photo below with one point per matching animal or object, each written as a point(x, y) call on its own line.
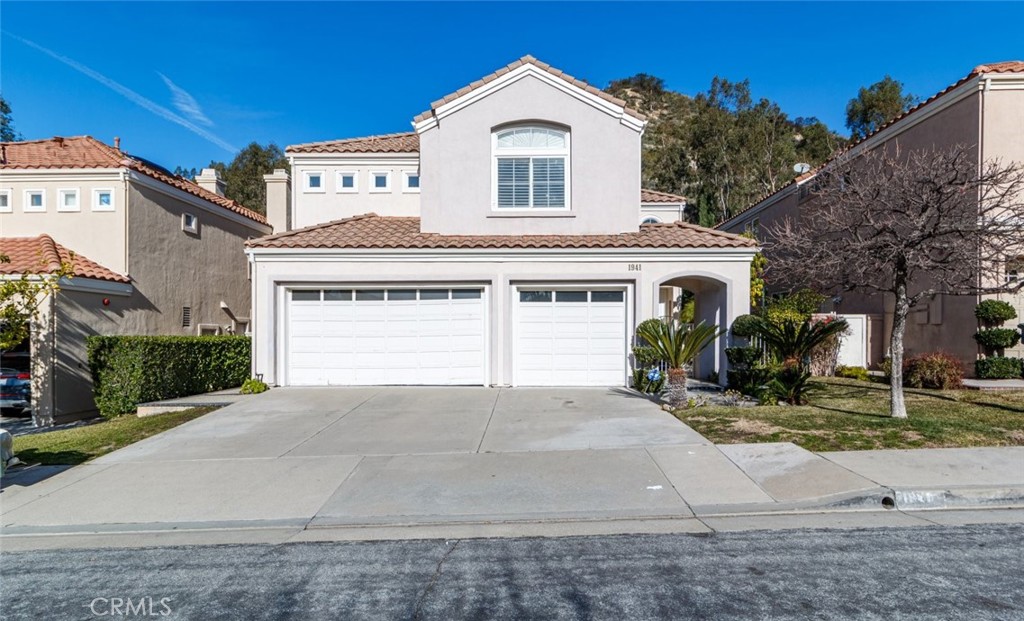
point(197, 78)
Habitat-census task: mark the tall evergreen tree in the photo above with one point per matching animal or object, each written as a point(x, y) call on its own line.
point(244, 175)
point(876, 105)
point(7, 133)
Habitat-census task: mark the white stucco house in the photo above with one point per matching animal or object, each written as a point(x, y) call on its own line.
point(506, 241)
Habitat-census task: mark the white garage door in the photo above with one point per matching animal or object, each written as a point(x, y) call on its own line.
point(386, 336)
point(570, 337)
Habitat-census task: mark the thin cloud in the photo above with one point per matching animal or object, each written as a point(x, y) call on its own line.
point(185, 102)
point(132, 96)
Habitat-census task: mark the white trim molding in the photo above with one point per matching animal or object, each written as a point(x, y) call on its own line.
point(406, 176)
point(8, 194)
point(307, 177)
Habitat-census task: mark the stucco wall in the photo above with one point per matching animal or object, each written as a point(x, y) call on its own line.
point(271, 278)
point(315, 207)
point(171, 268)
point(98, 235)
point(456, 162)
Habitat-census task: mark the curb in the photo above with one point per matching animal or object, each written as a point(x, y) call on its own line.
point(912, 498)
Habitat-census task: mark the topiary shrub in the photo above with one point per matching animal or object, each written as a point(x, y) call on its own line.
point(937, 370)
point(997, 339)
point(994, 312)
point(857, 373)
point(999, 367)
point(744, 326)
point(129, 370)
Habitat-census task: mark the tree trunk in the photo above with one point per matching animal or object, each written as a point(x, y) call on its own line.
point(897, 404)
point(676, 393)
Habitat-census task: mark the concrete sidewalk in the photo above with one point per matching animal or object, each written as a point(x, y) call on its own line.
point(374, 462)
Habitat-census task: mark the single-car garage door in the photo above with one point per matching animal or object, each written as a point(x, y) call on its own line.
point(348, 336)
point(570, 337)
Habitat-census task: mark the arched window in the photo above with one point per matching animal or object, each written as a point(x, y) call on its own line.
point(531, 168)
point(650, 220)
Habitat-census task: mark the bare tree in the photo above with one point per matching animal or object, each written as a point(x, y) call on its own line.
point(914, 225)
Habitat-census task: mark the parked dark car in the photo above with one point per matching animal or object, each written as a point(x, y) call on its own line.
point(15, 391)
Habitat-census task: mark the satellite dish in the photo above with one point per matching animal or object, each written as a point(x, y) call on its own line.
point(801, 168)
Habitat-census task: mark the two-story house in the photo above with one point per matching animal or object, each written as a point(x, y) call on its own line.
point(151, 253)
point(503, 242)
point(983, 112)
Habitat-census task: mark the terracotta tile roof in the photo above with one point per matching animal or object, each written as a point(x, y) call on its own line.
point(558, 73)
point(1008, 66)
point(87, 152)
point(42, 255)
point(371, 231)
point(654, 196)
point(407, 142)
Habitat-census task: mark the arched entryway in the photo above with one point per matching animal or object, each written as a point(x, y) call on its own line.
point(716, 300)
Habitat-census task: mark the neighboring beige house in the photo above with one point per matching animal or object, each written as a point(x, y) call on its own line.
point(984, 111)
point(153, 254)
point(499, 244)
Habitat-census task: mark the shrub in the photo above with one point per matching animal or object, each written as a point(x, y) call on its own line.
point(741, 357)
point(253, 386)
point(129, 370)
point(937, 370)
point(999, 367)
point(995, 339)
point(857, 373)
point(649, 380)
point(994, 312)
point(645, 357)
point(744, 326)
point(752, 381)
point(797, 306)
point(646, 326)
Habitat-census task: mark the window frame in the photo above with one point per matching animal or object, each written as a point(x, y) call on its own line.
point(565, 153)
point(406, 188)
point(339, 187)
point(28, 208)
point(649, 219)
point(9, 208)
point(372, 184)
point(62, 193)
point(96, 206)
point(190, 228)
point(308, 189)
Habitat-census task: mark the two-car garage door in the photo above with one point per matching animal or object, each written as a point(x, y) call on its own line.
point(412, 335)
point(348, 337)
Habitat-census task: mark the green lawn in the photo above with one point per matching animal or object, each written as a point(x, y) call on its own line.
point(846, 415)
point(80, 444)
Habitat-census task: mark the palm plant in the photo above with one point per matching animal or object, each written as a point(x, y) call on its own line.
point(792, 342)
point(678, 346)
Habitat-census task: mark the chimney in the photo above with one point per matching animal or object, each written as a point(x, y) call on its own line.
point(279, 200)
point(210, 180)
point(117, 143)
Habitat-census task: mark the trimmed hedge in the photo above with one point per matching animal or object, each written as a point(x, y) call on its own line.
point(999, 367)
point(129, 370)
point(994, 312)
point(993, 339)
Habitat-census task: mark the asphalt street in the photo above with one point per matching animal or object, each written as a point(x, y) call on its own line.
point(947, 573)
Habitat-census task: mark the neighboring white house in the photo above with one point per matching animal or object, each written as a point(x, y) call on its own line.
point(499, 244)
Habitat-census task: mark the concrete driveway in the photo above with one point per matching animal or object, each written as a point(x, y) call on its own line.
point(323, 457)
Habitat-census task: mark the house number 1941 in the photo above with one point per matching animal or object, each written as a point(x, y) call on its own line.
point(635, 267)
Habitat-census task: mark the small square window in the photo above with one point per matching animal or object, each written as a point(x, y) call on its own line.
point(314, 181)
point(189, 223)
point(380, 181)
point(412, 181)
point(103, 200)
point(347, 182)
point(67, 200)
point(5, 201)
point(35, 200)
